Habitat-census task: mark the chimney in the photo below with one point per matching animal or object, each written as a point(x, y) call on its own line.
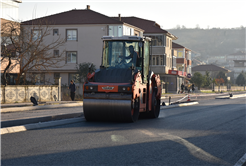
point(88, 7)
point(119, 17)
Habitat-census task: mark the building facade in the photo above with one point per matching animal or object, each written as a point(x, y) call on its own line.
point(182, 57)
point(9, 14)
point(236, 62)
point(10, 9)
point(82, 30)
point(162, 55)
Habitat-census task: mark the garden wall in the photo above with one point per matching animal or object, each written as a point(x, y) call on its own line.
point(22, 93)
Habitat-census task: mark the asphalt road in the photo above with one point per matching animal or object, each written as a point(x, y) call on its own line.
point(211, 133)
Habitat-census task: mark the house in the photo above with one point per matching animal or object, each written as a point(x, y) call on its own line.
point(182, 58)
point(161, 56)
point(10, 9)
point(82, 30)
point(9, 15)
point(236, 62)
point(211, 68)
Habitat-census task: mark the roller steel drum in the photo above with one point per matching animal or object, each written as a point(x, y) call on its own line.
point(108, 110)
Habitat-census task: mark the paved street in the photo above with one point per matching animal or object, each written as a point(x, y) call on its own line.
point(211, 133)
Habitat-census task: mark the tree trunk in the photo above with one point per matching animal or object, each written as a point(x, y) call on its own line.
point(5, 72)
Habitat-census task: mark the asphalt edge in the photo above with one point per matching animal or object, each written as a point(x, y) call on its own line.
point(179, 105)
point(16, 109)
point(15, 129)
point(19, 122)
point(241, 161)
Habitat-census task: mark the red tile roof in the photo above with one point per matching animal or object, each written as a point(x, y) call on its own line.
point(209, 67)
point(75, 17)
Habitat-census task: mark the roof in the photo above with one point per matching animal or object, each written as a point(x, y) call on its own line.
point(209, 67)
point(175, 45)
point(148, 26)
point(238, 53)
point(240, 60)
point(86, 16)
point(18, 1)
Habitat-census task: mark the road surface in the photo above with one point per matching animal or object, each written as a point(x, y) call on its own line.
point(211, 133)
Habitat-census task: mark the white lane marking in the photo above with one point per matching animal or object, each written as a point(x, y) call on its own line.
point(118, 138)
point(146, 132)
point(194, 150)
point(241, 161)
point(32, 126)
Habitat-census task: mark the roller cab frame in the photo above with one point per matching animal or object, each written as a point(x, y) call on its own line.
point(123, 87)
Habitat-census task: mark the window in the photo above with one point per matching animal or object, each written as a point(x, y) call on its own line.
point(71, 57)
point(39, 78)
point(156, 40)
point(55, 32)
point(56, 77)
point(153, 60)
point(74, 77)
point(37, 33)
point(157, 60)
point(56, 53)
point(72, 35)
point(174, 61)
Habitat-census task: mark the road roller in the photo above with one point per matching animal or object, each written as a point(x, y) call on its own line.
point(124, 87)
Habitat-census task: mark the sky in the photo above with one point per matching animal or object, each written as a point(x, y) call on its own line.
point(167, 13)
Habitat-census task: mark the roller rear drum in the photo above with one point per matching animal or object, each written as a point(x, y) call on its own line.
point(110, 110)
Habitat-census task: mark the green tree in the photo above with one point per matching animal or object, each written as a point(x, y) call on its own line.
point(197, 79)
point(83, 69)
point(222, 75)
point(207, 79)
point(241, 79)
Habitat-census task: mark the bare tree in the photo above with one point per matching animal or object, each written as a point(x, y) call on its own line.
point(31, 48)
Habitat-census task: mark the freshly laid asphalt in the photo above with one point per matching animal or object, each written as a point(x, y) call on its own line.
point(24, 116)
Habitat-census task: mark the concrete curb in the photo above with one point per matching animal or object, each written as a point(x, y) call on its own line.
point(15, 109)
point(179, 105)
point(15, 129)
point(241, 161)
point(18, 122)
point(233, 97)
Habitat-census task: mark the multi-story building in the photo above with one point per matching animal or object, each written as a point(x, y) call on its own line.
point(82, 30)
point(183, 64)
point(236, 62)
point(10, 9)
point(9, 14)
point(161, 55)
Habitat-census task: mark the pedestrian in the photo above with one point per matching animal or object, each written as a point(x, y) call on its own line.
point(72, 90)
point(182, 88)
point(193, 87)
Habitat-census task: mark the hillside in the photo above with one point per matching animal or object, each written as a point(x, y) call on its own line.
point(211, 42)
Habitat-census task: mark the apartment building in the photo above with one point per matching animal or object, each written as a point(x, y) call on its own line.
point(161, 56)
point(236, 62)
point(82, 30)
point(10, 9)
point(183, 65)
point(9, 15)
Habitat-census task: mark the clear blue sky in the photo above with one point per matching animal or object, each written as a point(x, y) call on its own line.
point(167, 13)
